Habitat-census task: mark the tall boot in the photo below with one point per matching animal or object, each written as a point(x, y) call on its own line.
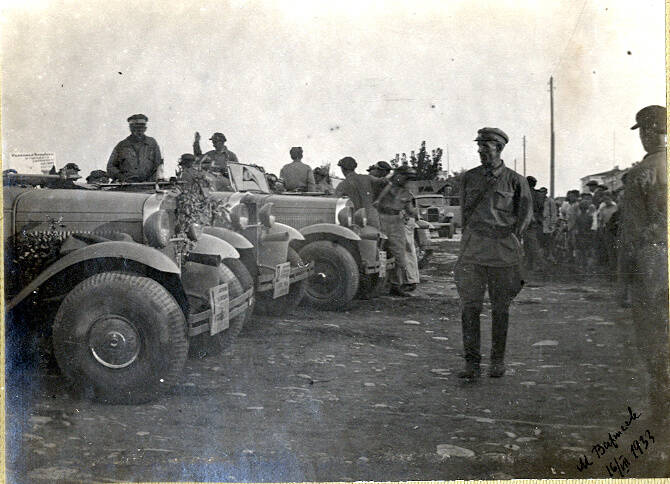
point(470, 325)
point(498, 339)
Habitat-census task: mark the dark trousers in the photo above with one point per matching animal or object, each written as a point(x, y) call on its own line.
point(503, 283)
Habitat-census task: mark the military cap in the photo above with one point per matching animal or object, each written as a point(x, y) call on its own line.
point(71, 166)
point(592, 183)
point(492, 134)
point(138, 119)
point(347, 163)
point(186, 159)
point(382, 165)
point(296, 152)
point(218, 136)
point(532, 181)
point(543, 189)
point(651, 117)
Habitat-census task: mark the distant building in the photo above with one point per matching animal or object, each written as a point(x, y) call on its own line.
point(610, 178)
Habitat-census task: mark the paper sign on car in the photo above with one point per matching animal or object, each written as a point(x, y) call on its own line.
point(281, 279)
point(220, 302)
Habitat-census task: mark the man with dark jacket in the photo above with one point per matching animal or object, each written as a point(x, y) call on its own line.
point(645, 239)
point(497, 208)
point(138, 157)
point(360, 189)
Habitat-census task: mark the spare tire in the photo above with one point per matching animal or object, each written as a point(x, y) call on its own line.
point(120, 338)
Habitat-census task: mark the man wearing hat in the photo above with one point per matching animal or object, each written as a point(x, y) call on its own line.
point(297, 175)
point(381, 169)
point(138, 157)
point(97, 176)
point(645, 239)
point(497, 208)
point(393, 203)
point(218, 158)
point(360, 189)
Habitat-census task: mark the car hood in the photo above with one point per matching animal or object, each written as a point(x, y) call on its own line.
point(34, 210)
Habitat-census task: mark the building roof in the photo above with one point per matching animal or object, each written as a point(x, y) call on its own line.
point(613, 171)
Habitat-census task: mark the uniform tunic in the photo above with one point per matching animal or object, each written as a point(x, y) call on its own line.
point(645, 243)
point(216, 159)
point(135, 160)
point(298, 176)
point(392, 221)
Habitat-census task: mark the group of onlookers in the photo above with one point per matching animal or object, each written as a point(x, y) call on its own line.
point(582, 230)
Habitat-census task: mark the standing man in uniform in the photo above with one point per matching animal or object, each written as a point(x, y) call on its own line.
point(138, 157)
point(360, 189)
point(216, 159)
point(645, 237)
point(393, 203)
point(297, 175)
point(497, 208)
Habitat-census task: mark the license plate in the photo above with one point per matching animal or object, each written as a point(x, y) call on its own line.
point(219, 300)
point(382, 263)
point(281, 280)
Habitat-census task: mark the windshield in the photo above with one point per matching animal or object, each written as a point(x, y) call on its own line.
point(429, 201)
point(247, 178)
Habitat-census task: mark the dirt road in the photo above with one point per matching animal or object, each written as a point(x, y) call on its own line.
point(368, 394)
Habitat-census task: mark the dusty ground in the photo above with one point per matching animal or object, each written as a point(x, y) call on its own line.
point(369, 394)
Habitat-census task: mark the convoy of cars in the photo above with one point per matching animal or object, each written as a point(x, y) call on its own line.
point(122, 290)
point(125, 282)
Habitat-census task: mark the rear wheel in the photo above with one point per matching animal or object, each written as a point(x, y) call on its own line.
point(120, 338)
point(266, 304)
point(204, 344)
point(335, 280)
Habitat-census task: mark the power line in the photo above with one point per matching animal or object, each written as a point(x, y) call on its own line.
point(567, 44)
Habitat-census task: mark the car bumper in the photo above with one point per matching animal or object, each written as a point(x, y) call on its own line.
point(266, 281)
point(199, 323)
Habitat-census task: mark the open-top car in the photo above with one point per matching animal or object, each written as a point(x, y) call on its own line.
point(346, 252)
point(118, 280)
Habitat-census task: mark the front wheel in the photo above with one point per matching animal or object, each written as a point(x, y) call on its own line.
point(335, 280)
point(120, 337)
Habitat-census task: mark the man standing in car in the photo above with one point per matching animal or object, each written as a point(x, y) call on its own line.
point(138, 157)
point(218, 158)
point(497, 208)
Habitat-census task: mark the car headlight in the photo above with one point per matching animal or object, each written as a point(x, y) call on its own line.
point(423, 211)
point(239, 216)
point(265, 215)
point(345, 217)
point(360, 217)
point(450, 214)
point(194, 232)
point(156, 229)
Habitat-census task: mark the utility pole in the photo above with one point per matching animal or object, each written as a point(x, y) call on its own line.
point(613, 148)
point(553, 140)
point(514, 164)
point(448, 161)
point(524, 155)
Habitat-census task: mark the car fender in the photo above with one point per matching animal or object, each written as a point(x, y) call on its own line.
point(211, 245)
point(330, 229)
point(238, 241)
point(422, 224)
point(133, 251)
point(293, 234)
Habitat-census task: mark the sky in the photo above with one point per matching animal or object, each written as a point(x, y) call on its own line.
point(350, 78)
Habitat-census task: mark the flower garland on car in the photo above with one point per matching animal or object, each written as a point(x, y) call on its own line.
point(33, 251)
point(195, 205)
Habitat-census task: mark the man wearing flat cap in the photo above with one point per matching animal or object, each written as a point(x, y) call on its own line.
point(138, 157)
point(381, 169)
point(644, 231)
point(216, 159)
point(497, 208)
point(297, 176)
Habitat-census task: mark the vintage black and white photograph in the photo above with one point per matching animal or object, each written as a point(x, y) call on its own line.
point(298, 241)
